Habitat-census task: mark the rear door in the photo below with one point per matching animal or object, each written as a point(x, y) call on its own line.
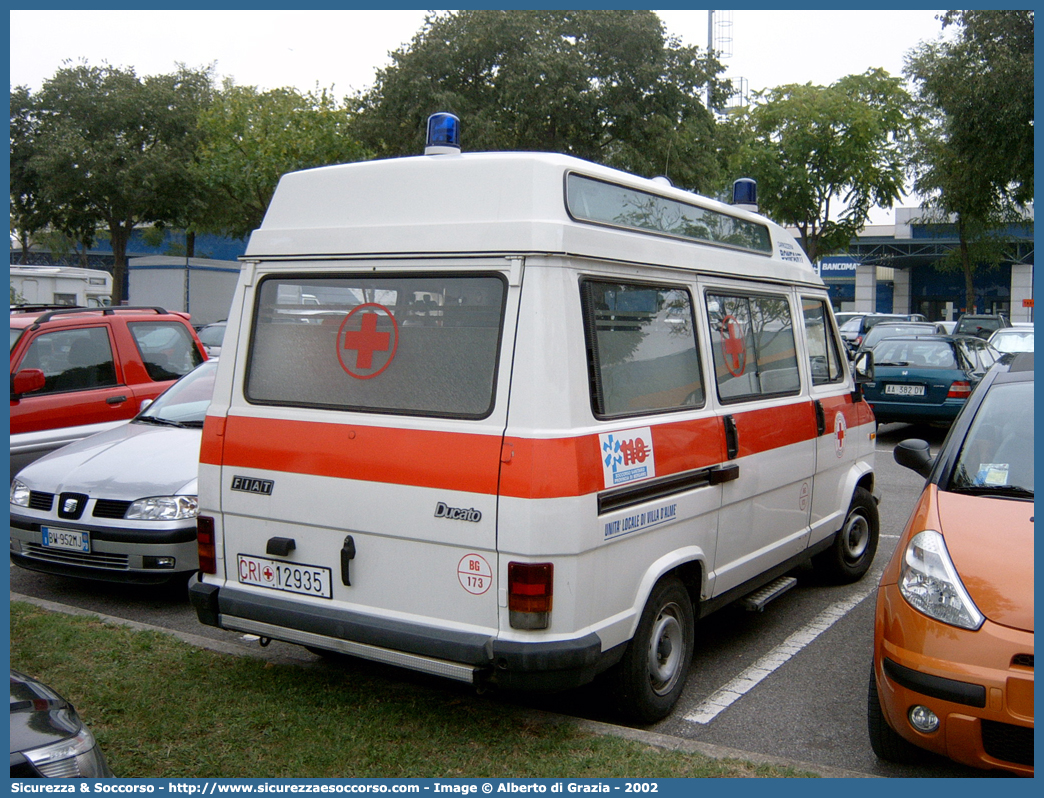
point(770, 429)
point(366, 426)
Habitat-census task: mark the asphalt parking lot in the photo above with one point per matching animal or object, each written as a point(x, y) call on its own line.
point(786, 683)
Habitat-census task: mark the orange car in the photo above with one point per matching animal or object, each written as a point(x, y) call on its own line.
point(953, 634)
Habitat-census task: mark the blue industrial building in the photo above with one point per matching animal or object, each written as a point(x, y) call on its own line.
point(888, 268)
point(893, 269)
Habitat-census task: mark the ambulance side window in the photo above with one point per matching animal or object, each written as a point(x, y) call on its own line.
point(641, 344)
point(752, 338)
point(822, 343)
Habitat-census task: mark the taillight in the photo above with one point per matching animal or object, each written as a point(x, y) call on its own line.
point(529, 594)
point(959, 390)
point(205, 544)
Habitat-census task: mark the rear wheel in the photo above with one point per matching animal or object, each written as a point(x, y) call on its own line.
point(649, 679)
point(885, 741)
point(855, 544)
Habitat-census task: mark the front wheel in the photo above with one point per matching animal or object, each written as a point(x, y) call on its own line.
point(884, 740)
point(649, 679)
point(855, 544)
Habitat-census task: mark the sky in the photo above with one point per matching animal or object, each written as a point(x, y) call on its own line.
point(342, 49)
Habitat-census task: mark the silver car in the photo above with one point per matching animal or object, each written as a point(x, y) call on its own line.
point(120, 505)
point(1013, 339)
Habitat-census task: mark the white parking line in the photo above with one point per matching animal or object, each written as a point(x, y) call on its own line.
point(724, 697)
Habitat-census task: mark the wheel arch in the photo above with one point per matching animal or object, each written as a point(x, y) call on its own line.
point(687, 564)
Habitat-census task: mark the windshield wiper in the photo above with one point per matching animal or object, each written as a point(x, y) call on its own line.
point(1014, 491)
point(159, 422)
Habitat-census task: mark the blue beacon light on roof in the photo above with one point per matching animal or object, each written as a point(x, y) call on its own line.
point(443, 135)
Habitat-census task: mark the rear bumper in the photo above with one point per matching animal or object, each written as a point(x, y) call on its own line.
point(886, 412)
point(446, 652)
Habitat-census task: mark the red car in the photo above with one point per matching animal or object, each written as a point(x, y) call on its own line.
point(77, 371)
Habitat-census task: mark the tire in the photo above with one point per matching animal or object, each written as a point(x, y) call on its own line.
point(885, 741)
point(855, 544)
point(650, 678)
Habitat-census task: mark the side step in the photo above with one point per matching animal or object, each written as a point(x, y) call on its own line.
point(756, 601)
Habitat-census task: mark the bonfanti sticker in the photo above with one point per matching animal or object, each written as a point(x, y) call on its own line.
point(789, 252)
point(627, 456)
point(637, 522)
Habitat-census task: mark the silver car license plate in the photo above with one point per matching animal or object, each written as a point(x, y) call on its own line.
point(68, 539)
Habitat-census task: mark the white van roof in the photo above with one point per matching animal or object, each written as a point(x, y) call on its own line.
point(516, 203)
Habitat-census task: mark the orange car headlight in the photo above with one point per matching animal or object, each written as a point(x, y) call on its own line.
point(929, 582)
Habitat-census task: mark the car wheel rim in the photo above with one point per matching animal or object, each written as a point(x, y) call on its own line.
point(855, 537)
point(666, 650)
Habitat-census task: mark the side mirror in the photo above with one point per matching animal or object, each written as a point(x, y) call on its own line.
point(863, 367)
point(914, 454)
point(26, 381)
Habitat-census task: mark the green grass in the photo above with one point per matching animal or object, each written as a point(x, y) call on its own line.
point(163, 709)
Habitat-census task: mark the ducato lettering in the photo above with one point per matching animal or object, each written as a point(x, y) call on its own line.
point(442, 510)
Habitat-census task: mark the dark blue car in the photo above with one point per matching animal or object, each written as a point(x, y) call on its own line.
point(926, 378)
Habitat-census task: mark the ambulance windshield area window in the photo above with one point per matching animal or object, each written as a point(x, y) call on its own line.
point(643, 356)
point(823, 352)
point(590, 200)
point(753, 342)
point(403, 344)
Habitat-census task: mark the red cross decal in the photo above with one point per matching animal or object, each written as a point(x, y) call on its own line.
point(367, 340)
point(268, 573)
point(840, 433)
point(733, 346)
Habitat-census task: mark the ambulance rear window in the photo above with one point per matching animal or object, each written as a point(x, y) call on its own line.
point(404, 344)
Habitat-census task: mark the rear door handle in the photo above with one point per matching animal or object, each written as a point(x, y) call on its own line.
point(820, 418)
point(116, 400)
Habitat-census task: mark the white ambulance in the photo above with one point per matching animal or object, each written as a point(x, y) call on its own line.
point(535, 419)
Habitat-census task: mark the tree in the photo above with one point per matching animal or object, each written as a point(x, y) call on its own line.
point(27, 214)
point(608, 86)
point(824, 156)
point(111, 151)
point(974, 158)
point(251, 138)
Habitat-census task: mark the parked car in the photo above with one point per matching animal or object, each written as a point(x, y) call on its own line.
point(926, 378)
point(1012, 339)
point(843, 316)
point(211, 337)
point(78, 371)
point(891, 329)
point(48, 739)
point(953, 632)
point(980, 325)
point(120, 505)
point(945, 327)
point(853, 330)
